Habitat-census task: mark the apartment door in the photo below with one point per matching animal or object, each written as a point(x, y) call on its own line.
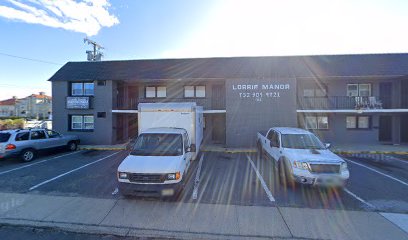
point(120, 120)
point(404, 128)
point(133, 95)
point(218, 97)
point(385, 94)
point(385, 131)
point(218, 130)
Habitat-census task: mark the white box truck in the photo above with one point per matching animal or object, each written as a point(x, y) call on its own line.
point(170, 136)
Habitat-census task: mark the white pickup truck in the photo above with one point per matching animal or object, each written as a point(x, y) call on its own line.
point(299, 156)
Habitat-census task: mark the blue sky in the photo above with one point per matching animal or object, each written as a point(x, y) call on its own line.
point(53, 31)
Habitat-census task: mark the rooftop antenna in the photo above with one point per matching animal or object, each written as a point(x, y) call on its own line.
point(96, 54)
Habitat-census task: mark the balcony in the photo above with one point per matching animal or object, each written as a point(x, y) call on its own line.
point(343, 103)
point(131, 103)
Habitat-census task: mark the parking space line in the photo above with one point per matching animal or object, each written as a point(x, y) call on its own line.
point(374, 170)
point(31, 164)
point(197, 178)
point(392, 158)
point(267, 191)
point(73, 170)
point(115, 191)
point(359, 198)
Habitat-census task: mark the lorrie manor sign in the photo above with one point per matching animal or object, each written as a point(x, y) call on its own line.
point(258, 92)
point(78, 103)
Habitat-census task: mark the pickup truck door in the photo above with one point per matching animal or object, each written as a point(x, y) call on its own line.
point(275, 143)
point(273, 148)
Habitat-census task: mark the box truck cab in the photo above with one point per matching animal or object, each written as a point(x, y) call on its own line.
point(170, 135)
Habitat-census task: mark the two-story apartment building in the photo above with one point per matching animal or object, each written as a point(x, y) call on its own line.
point(343, 98)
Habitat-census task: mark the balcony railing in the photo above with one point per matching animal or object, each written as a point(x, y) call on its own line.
point(207, 103)
point(343, 102)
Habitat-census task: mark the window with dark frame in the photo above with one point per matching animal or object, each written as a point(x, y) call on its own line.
point(156, 92)
point(82, 89)
point(359, 89)
point(82, 123)
point(317, 122)
point(194, 91)
point(315, 92)
point(358, 122)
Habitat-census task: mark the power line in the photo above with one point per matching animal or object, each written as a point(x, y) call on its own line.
point(30, 59)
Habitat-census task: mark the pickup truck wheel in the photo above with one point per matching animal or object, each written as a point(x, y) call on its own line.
point(27, 155)
point(284, 176)
point(72, 146)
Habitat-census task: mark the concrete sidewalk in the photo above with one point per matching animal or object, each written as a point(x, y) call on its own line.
point(191, 220)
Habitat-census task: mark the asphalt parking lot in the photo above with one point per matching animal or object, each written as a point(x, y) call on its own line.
point(230, 179)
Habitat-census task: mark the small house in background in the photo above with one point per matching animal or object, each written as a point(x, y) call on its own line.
point(8, 107)
point(35, 106)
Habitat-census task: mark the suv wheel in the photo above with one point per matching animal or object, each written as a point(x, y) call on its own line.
point(72, 146)
point(28, 155)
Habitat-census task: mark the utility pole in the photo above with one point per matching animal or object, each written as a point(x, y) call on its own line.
point(96, 54)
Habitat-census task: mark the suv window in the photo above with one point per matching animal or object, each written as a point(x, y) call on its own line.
point(52, 134)
point(4, 137)
point(24, 136)
point(36, 135)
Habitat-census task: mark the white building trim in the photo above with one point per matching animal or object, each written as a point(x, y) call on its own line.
point(354, 111)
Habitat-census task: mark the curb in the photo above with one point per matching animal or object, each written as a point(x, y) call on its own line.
point(128, 231)
point(370, 152)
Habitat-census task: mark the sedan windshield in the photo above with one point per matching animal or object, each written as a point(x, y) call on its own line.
point(158, 145)
point(301, 141)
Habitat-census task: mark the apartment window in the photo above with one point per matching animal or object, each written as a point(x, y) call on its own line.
point(359, 90)
point(194, 91)
point(82, 122)
point(358, 122)
point(315, 92)
point(82, 89)
point(153, 92)
point(317, 122)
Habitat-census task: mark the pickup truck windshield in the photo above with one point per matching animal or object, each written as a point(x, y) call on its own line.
point(4, 137)
point(301, 141)
point(158, 145)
